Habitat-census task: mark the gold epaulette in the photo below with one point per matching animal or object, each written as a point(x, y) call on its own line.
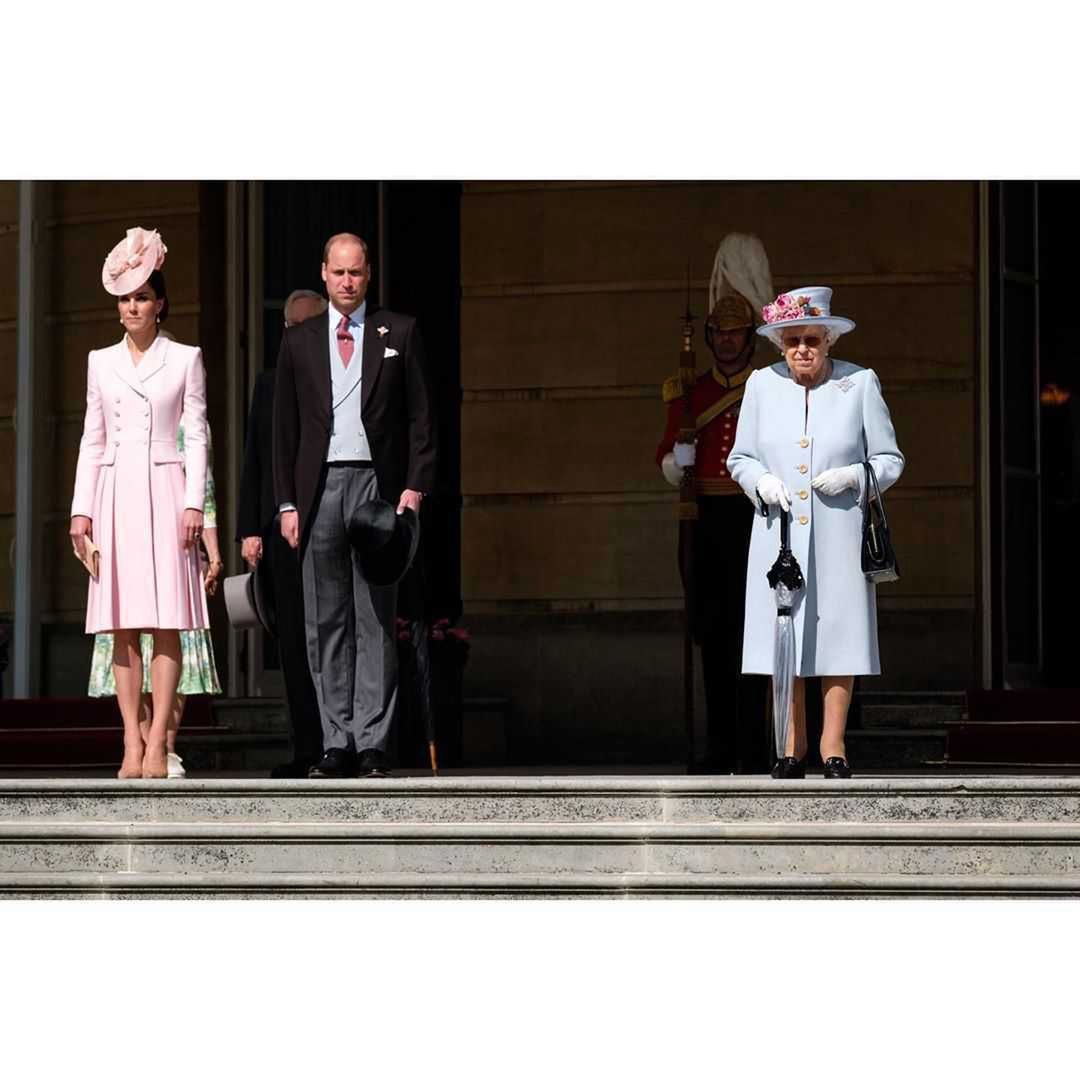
point(672, 389)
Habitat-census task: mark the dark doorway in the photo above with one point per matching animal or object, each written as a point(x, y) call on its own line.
point(1034, 431)
point(413, 234)
point(1059, 413)
point(1014, 434)
point(422, 267)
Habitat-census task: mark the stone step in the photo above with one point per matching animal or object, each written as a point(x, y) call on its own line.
point(755, 849)
point(901, 717)
point(258, 716)
point(895, 748)
point(542, 836)
point(547, 799)
point(932, 697)
point(396, 886)
point(233, 751)
point(901, 730)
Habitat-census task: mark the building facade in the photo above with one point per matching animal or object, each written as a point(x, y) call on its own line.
point(554, 310)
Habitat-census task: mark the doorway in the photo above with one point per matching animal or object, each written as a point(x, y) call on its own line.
point(1034, 432)
point(413, 233)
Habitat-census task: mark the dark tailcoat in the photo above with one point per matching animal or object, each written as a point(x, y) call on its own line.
point(256, 504)
point(257, 516)
point(396, 410)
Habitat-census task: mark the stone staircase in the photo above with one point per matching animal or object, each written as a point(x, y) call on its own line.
point(901, 730)
point(542, 837)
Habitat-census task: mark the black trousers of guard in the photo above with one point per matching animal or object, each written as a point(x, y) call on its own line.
point(737, 728)
point(288, 599)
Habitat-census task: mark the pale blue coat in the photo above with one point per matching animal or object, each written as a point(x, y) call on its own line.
point(782, 428)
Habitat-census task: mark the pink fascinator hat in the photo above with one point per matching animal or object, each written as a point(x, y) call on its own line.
point(132, 261)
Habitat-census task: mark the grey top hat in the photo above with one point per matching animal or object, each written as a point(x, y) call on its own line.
point(249, 600)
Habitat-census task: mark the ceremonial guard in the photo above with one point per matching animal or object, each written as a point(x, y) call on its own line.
point(736, 722)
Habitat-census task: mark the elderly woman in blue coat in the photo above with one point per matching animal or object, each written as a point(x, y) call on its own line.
point(807, 424)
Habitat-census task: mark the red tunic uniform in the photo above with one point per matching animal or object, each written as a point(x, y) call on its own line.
point(715, 405)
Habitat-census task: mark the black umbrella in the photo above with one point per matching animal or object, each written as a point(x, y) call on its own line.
point(417, 661)
point(786, 579)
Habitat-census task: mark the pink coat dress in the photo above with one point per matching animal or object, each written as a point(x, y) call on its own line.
point(134, 486)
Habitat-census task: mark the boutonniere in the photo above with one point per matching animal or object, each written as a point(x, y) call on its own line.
point(383, 331)
point(390, 352)
point(845, 384)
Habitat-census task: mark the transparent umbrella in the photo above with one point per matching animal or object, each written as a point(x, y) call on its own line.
point(786, 579)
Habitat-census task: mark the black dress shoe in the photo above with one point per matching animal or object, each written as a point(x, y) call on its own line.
point(372, 765)
point(836, 768)
point(789, 768)
point(336, 764)
point(291, 770)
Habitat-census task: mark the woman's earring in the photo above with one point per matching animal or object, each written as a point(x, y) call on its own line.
point(157, 318)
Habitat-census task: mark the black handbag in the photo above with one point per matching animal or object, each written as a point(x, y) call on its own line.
point(878, 557)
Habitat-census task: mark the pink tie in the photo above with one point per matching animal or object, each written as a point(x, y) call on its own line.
point(345, 342)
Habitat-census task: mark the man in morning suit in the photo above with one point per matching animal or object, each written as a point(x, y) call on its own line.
point(260, 537)
point(353, 423)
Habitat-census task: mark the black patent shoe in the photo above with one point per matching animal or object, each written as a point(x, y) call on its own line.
point(372, 765)
point(336, 764)
point(836, 768)
point(789, 768)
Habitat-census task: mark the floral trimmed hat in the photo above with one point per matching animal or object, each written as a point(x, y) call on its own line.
point(805, 306)
point(132, 261)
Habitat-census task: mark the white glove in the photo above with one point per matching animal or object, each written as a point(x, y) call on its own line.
point(672, 473)
point(835, 481)
point(773, 491)
point(685, 455)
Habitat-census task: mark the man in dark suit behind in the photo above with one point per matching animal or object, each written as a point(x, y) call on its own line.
point(260, 537)
point(353, 423)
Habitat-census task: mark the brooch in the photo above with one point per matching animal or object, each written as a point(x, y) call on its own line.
point(383, 331)
point(845, 384)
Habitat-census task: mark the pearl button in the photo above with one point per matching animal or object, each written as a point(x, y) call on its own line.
point(804, 520)
point(802, 469)
point(804, 495)
point(804, 443)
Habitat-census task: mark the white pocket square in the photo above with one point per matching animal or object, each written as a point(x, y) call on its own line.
point(390, 352)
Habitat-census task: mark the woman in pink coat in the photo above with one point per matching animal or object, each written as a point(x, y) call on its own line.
point(135, 498)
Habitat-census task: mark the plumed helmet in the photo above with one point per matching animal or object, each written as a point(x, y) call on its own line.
point(741, 283)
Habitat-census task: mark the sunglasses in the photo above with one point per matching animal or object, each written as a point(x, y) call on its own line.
point(812, 341)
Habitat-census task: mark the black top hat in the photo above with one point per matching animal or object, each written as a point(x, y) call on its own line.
point(385, 540)
point(249, 599)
